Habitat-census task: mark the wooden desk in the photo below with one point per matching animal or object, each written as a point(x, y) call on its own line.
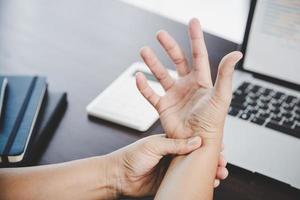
point(82, 46)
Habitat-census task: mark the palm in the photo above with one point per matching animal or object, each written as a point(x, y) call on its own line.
point(191, 103)
point(177, 106)
point(144, 172)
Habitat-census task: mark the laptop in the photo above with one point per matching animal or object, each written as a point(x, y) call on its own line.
point(262, 131)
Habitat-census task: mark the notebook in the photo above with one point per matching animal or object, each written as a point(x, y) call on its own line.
point(52, 111)
point(24, 99)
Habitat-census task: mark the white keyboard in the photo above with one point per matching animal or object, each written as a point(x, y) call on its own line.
point(122, 103)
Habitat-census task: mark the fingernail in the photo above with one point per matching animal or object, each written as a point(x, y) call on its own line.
point(193, 141)
point(216, 183)
point(226, 173)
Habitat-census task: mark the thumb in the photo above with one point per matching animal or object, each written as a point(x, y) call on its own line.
point(166, 146)
point(223, 83)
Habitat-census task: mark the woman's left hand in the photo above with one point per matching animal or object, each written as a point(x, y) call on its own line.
point(139, 167)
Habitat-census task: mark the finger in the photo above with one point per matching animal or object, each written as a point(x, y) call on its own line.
point(174, 52)
point(165, 146)
point(216, 183)
point(222, 161)
point(159, 71)
point(222, 173)
point(146, 90)
point(222, 147)
point(223, 83)
point(199, 52)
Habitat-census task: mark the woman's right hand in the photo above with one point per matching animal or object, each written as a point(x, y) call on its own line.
point(191, 105)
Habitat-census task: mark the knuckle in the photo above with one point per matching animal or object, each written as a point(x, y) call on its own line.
point(177, 144)
point(200, 54)
point(170, 47)
point(196, 54)
point(161, 75)
point(179, 60)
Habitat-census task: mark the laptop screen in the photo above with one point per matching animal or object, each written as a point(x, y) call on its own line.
point(273, 47)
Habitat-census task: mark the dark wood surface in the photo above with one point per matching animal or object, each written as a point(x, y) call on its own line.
point(82, 46)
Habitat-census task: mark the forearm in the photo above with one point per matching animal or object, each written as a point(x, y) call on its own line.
point(191, 176)
point(82, 179)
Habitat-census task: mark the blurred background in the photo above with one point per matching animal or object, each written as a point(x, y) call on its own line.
point(226, 19)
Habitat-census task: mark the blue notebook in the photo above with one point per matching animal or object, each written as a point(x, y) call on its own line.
point(24, 99)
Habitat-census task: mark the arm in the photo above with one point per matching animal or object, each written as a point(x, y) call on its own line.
point(134, 170)
point(192, 105)
point(82, 179)
point(194, 172)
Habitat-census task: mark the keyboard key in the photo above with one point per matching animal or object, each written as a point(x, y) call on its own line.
point(263, 106)
point(289, 107)
point(288, 123)
point(290, 98)
point(287, 115)
point(238, 106)
point(233, 111)
point(278, 95)
point(257, 120)
point(253, 103)
point(266, 92)
point(237, 101)
point(253, 111)
point(275, 110)
point(244, 85)
point(276, 104)
point(287, 130)
point(276, 118)
point(297, 118)
point(264, 115)
point(245, 116)
point(255, 88)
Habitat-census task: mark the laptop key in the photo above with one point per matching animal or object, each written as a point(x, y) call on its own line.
point(290, 98)
point(288, 130)
point(255, 88)
point(233, 111)
point(276, 118)
point(288, 123)
point(245, 116)
point(278, 95)
point(287, 114)
point(244, 86)
point(257, 120)
point(238, 106)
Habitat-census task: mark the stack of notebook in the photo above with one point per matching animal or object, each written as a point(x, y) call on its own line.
point(28, 117)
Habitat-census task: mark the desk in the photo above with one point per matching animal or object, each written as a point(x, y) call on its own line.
point(82, 46)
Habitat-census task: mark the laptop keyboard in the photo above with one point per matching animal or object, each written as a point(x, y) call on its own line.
point(267, 107)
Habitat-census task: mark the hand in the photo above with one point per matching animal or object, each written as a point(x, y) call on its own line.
point(140, 167)
point(191, 104)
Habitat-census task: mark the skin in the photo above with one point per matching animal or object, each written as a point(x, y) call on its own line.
point(135, 170)
point(191, 106)
point(191, 109)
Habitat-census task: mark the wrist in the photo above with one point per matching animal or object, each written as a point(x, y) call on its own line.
point(108, 176)
point(211, 138)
